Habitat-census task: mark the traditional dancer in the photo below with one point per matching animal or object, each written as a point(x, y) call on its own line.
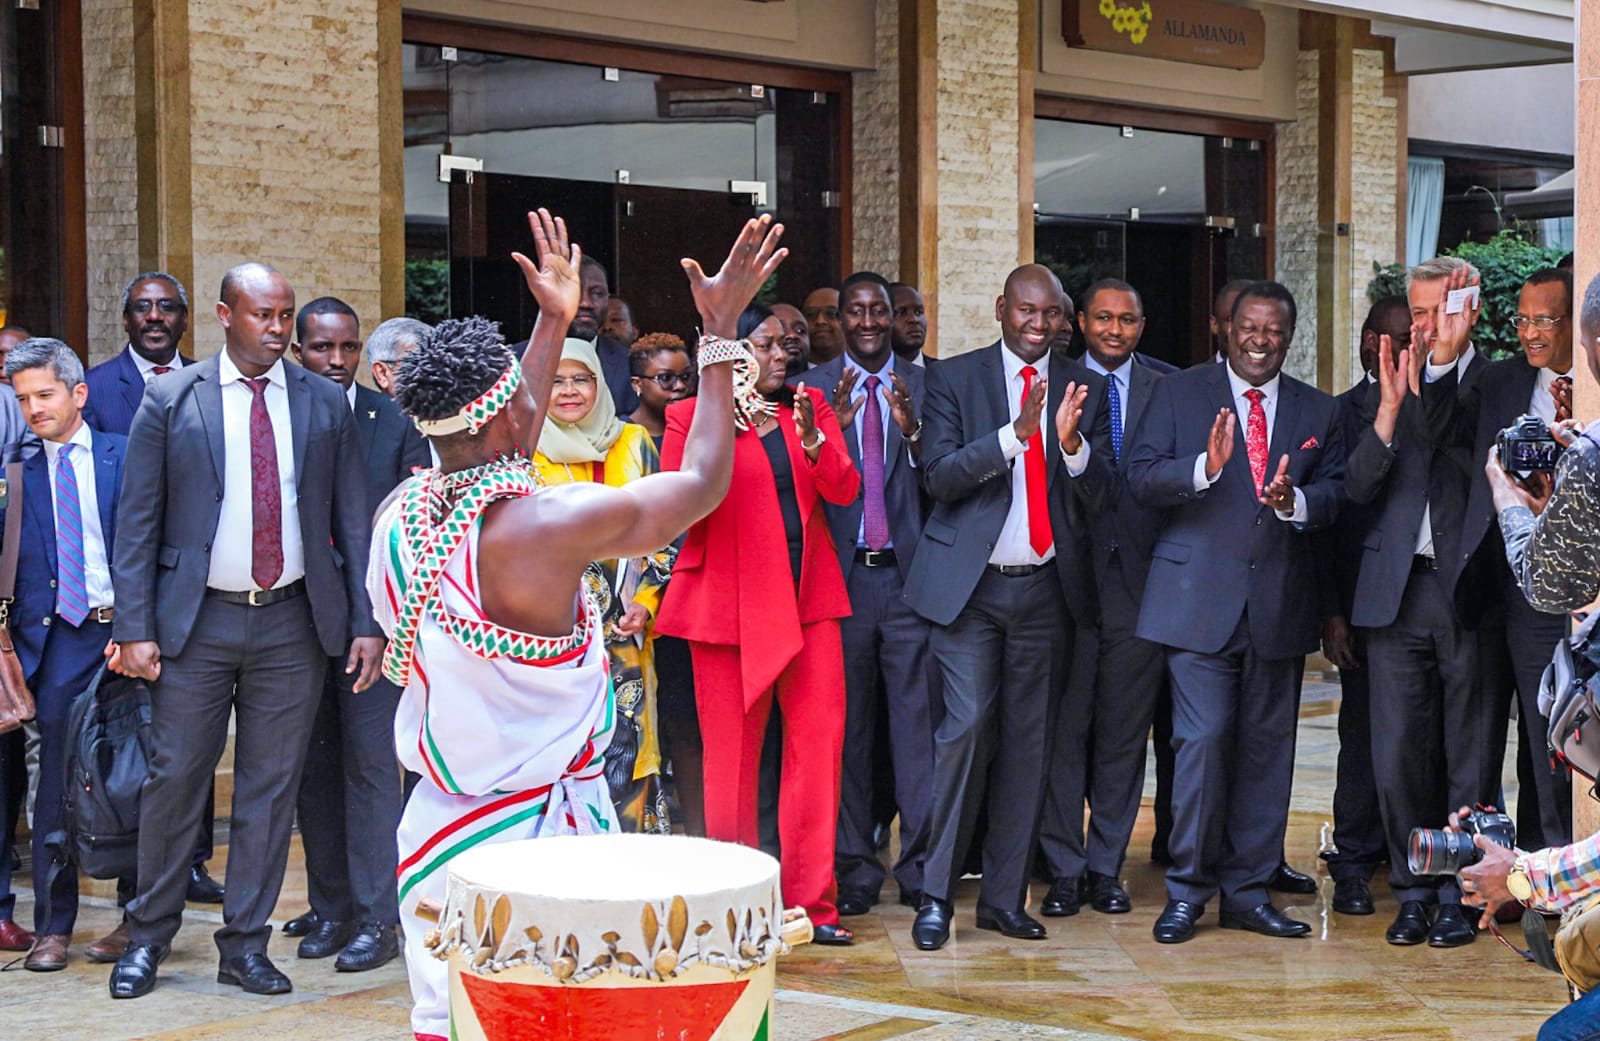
point(507, 704)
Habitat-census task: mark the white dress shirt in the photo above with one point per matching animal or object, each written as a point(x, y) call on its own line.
point(232, 549)
point(1241, 408)
point(96, 564)
point(1013, 546)
point(1542, 404)
point(147, 368)
point(350, 396)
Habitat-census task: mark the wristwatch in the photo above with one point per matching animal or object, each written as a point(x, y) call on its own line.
point(821, 437)
point(915, 435)
point(1518, 883)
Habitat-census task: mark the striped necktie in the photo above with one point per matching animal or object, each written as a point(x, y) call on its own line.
point(72, 595)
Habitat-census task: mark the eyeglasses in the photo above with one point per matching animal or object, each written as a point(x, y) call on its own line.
point(668, 380)
point(574, 382)
point(142, 307)
point(1543, 323)
point(830, 313)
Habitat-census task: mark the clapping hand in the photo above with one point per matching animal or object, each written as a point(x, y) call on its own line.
point(805, 420)
point(843, 407)
point(1452, 331)
point(1395, 380)
point(1027, 423)
point(721, 297)
point(1219, 448)
point(901, 408)
point(1561, 391)
point(553, 279)
point(1279, 492)
point(1067, 417)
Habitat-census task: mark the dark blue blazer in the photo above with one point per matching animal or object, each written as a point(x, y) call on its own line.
point(115, 390)
point(1220, 552)
point(902, 482)
point(391, 447)
point(968, 480)
point(33, 610)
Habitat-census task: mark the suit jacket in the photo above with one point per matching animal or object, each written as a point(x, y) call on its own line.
point(169, 513)
point(732, 583)
point(1467, 412)
point(969, 480)
point(17, 440)
point(1122, 527)
point(391, 447)
point(902, 482)
point(35, 602)
point(1220, 552)
point(1339, 547)
point(115, 390)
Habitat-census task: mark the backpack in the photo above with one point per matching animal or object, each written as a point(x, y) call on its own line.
point(1569, 697)
point(108, 759)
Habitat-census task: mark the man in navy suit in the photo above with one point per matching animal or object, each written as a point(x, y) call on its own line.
point(1103, 726)
point(1232, 595)
point(877, 397)
point(155, 314)
point(1002, 572)
point(350, 801)
point(61, 616)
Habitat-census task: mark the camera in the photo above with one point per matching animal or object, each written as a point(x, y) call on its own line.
point(1433, 851)
point(1526, 447)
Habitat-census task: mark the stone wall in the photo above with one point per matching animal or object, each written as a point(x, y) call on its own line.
point(1296, 218)
point(978, 155)
point(111, 181)
point(875, 138)
point(1375, 142)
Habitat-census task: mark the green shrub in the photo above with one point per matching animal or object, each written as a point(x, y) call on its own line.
point(1387, 280)
point(428, 290)
point(1503, 263)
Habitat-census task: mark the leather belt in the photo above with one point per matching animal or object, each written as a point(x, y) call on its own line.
point(259, 597)
point(103, 615)
point(1423, 563)
point(876, 558)
point(1017, 570)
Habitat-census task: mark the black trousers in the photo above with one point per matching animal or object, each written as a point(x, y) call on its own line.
point(885, 662)
point(265, 665)
point(1001, 662)
point(1100, 740)
point(1358, 837)
point(13, 790)
point(350, 801)
point(1233, 736)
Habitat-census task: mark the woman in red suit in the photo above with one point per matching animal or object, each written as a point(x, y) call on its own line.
point(757, 592)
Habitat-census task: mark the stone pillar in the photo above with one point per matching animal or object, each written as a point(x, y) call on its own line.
point(228, 133)
point(1339, 172)
point(1585, 812)
point(875, 108)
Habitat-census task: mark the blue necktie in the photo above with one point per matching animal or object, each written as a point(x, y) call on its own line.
point(72, 595)
point(1116, 419)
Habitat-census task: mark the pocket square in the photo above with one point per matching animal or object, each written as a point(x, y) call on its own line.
point(1311, 442)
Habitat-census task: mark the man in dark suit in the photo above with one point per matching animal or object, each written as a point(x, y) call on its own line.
point(62, 611)
point(909, 333)
point(1358, 838)
point(1232, 596)
point(239, 573)
point(1002, 572)
point(350, 795)
point(1105, 721)
point(876, 397)
point(1423, 661)
point(1515, 641)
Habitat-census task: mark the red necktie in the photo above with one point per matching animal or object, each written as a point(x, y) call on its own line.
point(266, 496)
point(160, 370)
point(1039, 536)
point(1255, 438)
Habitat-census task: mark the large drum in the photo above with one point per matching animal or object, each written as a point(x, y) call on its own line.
point(613, 938)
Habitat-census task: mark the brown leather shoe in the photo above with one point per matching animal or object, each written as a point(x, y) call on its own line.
point(109, 947)
point(14, 937)
point(49, 954)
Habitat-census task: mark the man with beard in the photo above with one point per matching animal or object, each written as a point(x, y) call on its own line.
point(909, 333)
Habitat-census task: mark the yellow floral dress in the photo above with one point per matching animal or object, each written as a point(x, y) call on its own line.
point(633, 762)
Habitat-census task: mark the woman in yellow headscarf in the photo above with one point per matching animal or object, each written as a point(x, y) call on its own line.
point(583, 440)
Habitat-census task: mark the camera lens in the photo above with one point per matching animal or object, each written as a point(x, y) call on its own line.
point(1433, 851)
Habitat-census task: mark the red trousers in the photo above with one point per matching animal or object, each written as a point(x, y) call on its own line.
point(810, 698)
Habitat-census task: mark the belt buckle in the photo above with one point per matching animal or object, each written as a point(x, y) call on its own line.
point(253, 601)
point(874, 558)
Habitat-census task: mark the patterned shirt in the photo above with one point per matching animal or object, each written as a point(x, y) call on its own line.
point(1563, 875)
point(1556, 556)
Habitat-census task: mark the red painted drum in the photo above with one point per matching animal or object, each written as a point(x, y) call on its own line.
point(613, 938)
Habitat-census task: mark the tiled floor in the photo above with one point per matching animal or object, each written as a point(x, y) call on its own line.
point(1095, 977)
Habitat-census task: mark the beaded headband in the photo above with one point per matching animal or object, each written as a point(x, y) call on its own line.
point(474, 414)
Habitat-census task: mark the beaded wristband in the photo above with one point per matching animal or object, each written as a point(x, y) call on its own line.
point(750, 409)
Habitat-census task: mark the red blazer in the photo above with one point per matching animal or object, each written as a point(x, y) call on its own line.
point(731, 583)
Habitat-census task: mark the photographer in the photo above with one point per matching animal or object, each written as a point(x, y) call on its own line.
point(1552, 537)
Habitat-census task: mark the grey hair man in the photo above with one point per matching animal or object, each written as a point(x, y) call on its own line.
point(388, 343)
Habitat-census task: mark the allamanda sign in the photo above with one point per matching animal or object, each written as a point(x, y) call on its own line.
point(1193, 31)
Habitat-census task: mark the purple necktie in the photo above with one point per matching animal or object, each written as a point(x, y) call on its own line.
point(875, 519)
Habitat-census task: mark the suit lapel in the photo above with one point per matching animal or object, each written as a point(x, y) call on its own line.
point(38, 507)
point(105, 487)
point(1140, 379)
point(132, 382)
point(995, 389)
point(299, 416)
point(208, 399)
point(366, 424)
point(1284, 426)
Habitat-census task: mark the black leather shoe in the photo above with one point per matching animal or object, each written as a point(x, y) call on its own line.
point(931, 930)
point(1015, 924)
point(1105, 894)
point(832, 936)
point(1063, 900)
point(373, 945)
point(134, 975)
point(326, 939)
point(854, 902)
point(1176, 923)
point(1352, 896)
point(1287, 880)
point(1410, 926)
point(911, 898)
point(302, 925)
point(203, 889)
point(255, 973)
point(1451, 928)
point(1266, 920)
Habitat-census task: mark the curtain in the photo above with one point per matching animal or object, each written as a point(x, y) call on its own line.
point(1424, 205)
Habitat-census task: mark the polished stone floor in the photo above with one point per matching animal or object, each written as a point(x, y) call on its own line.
point(1095, 976)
